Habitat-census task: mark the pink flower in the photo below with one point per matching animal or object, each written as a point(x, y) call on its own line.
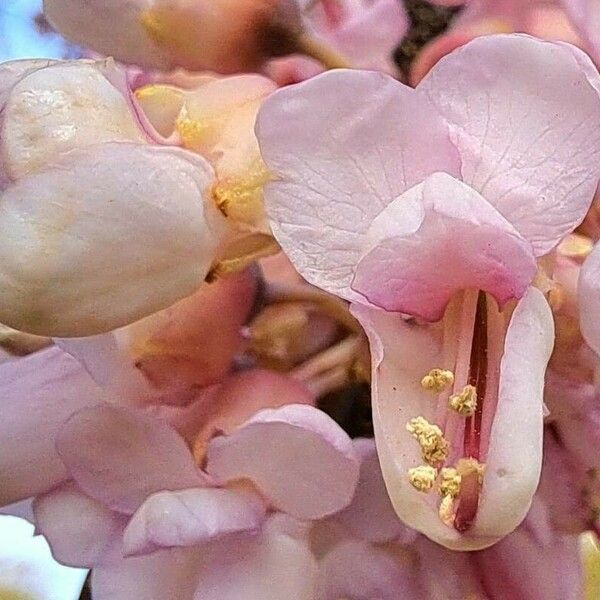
point(545, 19)
point(136, 492)
point(365, 32)
point(434, 204)
point(90, 244)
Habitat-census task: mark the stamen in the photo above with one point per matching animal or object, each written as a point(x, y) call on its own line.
point(464, 403)
point(437, 380)
point(434, 446)
point(450, 482)
point(422, 478)
point(446, 511)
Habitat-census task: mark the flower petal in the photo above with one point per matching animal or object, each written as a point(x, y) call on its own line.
point(158, 576)
point(526, 121)
point(58, 257)
point(338, 146)
point(237, 399)
point(363, 571)
point(189, 517)
point(370, 33)
point(39, 393)
point(80, 530)
point(514, 458)
point(12, 71)
point(402, 352)
point(121, 456)
point(459, 242)
point(168, 356)
point(112, 28)
point(58, 108)
point(589, 299)
point(371, 515)
point(279, 448)
point(277, 564)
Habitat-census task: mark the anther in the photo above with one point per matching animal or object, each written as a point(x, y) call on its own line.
point(437, 380)
point(450, 482)
point(434, 447)
point(464, 403)
point(422, 478)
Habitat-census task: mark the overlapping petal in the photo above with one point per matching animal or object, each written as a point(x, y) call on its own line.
point(282, 449)
point(453, 231)
point(81, 531)
point(525, 117)
point(39, 393)
point(190, 517)
point(65, 106)
point(121, 456)
point(341, 147)
point(65, 272)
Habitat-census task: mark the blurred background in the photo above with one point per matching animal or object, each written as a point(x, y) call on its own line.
point(24, 32)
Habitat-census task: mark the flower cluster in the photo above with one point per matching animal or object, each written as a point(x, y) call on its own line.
point(281, 321)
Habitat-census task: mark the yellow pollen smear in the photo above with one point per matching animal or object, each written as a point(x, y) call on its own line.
point(467, 466)
point(446, 510)
point(450, 482)
point(437, 380)
point(575, 246)
point(240, 198)
point(192, 131)
point(464, 403)
point(434, 447)
point(422, 478)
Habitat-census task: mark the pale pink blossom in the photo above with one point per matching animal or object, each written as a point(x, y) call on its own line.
point(136, 490)
point(545, 19)
point(435, 204)
point(364, 32)
point(91, 245)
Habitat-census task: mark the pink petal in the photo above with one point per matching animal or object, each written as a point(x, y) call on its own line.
point(166, 357)
point(514, 458)
point(237, 399)
point(277, 449)
point(164, 575)
point(371, 32)
point(189, 517)
point(589, 299)
point(121, 456)
point(363, 571)
point(585, 17)
point(342, 146)
point(402, 352)
point(371, 515)
point(526, 120)
point(426, 248)
point(80, 530)
point(55, 230)
point(39, 393)
point(275, 565)
point(523, 565)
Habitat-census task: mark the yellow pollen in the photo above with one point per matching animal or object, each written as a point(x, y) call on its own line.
point(434, 447)
point(467, 466)
point(464, 403)
point(450, 482)
point(446, 510)
point(422, 478)
point(437, 380)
